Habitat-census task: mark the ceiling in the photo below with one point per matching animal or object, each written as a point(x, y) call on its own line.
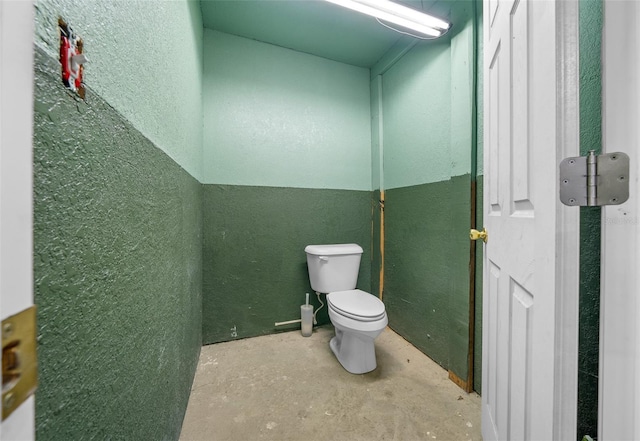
point(311, 26)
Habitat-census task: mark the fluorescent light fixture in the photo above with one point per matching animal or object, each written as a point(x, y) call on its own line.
point(397, 14)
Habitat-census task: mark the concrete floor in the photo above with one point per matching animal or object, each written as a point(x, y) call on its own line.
point(287, 387)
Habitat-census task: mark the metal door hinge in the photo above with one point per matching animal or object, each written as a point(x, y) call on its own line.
point(595, 180)
point(19, 366)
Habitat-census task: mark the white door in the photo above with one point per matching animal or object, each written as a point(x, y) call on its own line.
point(529, 366)
point(619, 397)
point(16, 114)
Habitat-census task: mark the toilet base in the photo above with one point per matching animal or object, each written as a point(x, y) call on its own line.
point(355, 350)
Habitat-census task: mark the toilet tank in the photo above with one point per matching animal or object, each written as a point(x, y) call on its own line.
point(333, 267)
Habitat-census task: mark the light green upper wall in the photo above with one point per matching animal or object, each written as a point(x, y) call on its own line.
point(425, 122)
point(416, 117)
point(461, 98)
point(377, 173)
point(145, 60)
point(281, 118)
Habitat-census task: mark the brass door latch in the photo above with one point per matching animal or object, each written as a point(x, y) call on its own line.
point(475, 235)
point(19, 365)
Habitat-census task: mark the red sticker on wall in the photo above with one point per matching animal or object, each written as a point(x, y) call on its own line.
point(71, 58)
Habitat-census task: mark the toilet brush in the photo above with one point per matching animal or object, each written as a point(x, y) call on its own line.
point(306, 317)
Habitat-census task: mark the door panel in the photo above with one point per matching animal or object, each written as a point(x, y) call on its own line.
point(492, 121)
point(520, 315)
point(490, 343)
point(520, 163)
point(520, 394)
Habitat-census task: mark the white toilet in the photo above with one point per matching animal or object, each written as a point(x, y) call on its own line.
point(358, 317)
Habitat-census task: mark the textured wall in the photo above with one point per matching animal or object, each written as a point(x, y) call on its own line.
point(276, 117)
point(255, 265)
point(416, 108)
point(376, 251)
point(590, 224)
point(426, 268)
point(477, 347)
point(377, 173)
point(426, 141)
point(145, 60)
point(462, 93)
point(118, 272)
point(289, 134)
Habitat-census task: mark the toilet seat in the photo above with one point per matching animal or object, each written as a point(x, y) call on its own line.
point(356, 305)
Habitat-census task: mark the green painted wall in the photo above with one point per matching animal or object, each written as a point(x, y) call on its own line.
point(462, 97)
point(425, 127)
point(426, 268)
point(145, 60)
point(416, 108)
point(426, 103)
point(118, 272)
point(477, 346)
point(255, 268)
point(590, 16)
point(280, 118)
point(377, 137)
point(376, 254)
point(287, 163)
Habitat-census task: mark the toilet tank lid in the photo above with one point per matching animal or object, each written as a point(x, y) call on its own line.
point(333, 250)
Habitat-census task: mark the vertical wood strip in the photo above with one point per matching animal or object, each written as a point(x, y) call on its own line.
point(472, 291)
point(381, 290)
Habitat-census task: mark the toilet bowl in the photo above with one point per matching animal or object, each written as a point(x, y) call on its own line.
point(358, 318)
